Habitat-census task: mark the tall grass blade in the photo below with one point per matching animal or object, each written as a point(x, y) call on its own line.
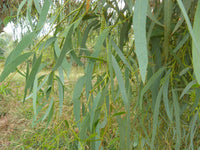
point(139, 26)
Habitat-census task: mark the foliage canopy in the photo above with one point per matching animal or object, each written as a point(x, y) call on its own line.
point(141, 69)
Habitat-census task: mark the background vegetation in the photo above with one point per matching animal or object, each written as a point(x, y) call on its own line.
point(136, 68)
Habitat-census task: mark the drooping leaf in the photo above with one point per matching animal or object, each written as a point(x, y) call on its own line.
point(10, 67)
point(90, 66)
point(120, 54)
point(48, 110)
point(196, 48)
point(168, 5)
point(149, 83)
point(177, 119)
point(165, 96)
point(20, 7)
point(61, 93)
point(37, 5)
point(43, 15)
point(35, 86)
point(120, 81)
point(66, 47)
point(33, 72)
point(76, 98)
point(155, 116)
point(139, 26)
point(25, 42)
point(187, 88)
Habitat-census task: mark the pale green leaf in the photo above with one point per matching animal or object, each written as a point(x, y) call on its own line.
point(43, 14)
point(76, 98)
point(35, 86)
point(187, 88)
point(25, 42)
point(139, 26)
point(48, 109)
point(177, 118)
point(120, 81)
point(37, 5)
point(155, 117)
point(149, 83)
point(10, 67)
point(20, 7)
point(195, 47)
point(61, 93)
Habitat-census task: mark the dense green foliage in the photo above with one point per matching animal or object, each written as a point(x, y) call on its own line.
point(141, 70)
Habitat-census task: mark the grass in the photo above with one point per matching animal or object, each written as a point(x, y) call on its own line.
point(16, 118)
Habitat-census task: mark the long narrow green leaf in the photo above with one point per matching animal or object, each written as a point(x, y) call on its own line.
point(187, 88)
point(84, 127)
point(192, 128)
point(181, 43)
point(33, 72)
point(61, 93)
point(177, 118)
point(153, 17)
point(43, 14)
point(165, 96)
point(28, 14)
point(120, 54)
point(187, 5)
point(35, 86)
point(25, 42)
point(120, 81)
point(20, 7)
point(48, 109)
point(195, 48)
point(148, 85)
point(37, 5)
point(155, 116)
point(39, 87)
point(90, 66)
point(139, 26)
point(65, 65)
point(66, 47)
point(76, 98)
point(167, 22)
point(12, 65)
